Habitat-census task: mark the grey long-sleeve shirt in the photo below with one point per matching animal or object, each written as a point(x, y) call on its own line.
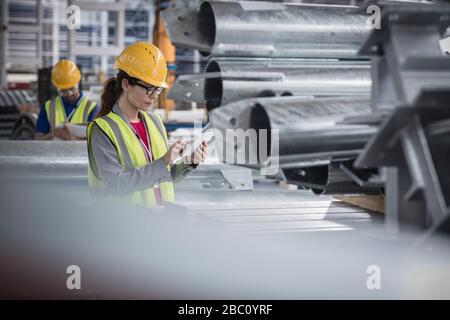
point(120, 181)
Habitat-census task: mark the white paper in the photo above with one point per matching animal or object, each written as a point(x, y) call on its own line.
point(78, 130)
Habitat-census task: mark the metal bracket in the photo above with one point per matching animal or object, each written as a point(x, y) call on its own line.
point(410, 78)
point(239, 179)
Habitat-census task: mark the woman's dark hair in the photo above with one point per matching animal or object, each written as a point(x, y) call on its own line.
point(112, 90)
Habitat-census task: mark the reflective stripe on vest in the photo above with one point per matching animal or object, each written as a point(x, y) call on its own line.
point(57, 115)
point(131, 153)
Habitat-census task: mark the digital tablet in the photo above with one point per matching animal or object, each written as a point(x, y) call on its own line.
point(205, 136)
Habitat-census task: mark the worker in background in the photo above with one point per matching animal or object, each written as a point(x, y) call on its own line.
point(69, 107)
point(128, 147)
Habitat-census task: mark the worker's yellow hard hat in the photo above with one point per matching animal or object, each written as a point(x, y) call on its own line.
point(144, 61)
point(65, 74)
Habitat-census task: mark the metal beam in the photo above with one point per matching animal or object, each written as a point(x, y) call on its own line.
point(4, 40)
point(103, 51)
point(96, 51)
point(117, 6)
point(40, 15)
point(55, 32)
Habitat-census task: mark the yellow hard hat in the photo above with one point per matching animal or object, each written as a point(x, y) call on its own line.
point(65, 74)
point(144, 61)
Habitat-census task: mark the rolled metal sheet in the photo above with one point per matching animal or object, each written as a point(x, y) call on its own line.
point(235, 80)
point(227, 118)
point(264, 29)
point(308, 131)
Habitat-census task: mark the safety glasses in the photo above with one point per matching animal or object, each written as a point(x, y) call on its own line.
point(65, 92)
point(150, 90)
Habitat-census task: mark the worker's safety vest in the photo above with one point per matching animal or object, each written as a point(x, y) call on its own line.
point(131, 154)
point(57, 115)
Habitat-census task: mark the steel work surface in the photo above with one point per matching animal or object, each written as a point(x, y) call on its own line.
point(269, 209)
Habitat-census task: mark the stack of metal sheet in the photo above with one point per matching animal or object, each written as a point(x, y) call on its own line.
point(10, 100)
point(51, 161)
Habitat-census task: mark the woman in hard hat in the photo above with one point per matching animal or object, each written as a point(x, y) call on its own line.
point(69, 107)
point(127, 146)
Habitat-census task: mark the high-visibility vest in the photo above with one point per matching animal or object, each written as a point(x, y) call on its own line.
point(57, 115)
point(131, 154)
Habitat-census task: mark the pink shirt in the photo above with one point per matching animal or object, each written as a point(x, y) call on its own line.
point(139, 127)
point(140, 130)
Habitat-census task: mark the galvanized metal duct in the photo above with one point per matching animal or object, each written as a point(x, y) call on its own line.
point(309, 133)
point(44, 160)
point(263, 29)
point(235, 80)
point(227, 118)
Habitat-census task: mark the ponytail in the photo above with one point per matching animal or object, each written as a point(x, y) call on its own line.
point(112, 90)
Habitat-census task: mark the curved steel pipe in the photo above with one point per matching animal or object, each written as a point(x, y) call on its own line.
point(226, 118)
point(264, 29)
point(309, 130)
point(241, 79)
